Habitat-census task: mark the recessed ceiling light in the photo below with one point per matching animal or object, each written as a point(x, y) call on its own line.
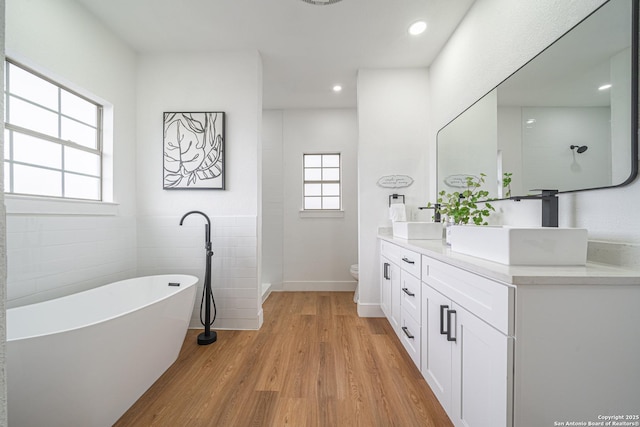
point(337, 88)
point(605, 87)
point(321, 2)
point(417, 28)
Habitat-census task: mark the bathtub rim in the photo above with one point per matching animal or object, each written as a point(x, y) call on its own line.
point(193, 281)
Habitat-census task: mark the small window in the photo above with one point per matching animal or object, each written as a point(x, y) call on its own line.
point(53, 138)
point(321, 186)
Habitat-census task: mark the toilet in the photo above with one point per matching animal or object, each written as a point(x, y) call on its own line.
point(354, 272)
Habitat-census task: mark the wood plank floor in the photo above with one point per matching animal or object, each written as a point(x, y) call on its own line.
point(314, 362)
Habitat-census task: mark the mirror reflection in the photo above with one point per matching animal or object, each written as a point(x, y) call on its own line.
point(563, 121)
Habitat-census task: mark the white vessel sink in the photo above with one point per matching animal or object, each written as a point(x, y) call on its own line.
point(417, 230)
point(522, 246)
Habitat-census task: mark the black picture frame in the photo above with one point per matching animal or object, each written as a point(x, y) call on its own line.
point(193, 150)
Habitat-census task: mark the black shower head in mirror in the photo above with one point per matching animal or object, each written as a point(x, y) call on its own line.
point(581, 148)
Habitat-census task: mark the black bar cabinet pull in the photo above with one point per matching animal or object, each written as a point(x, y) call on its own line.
point(407, 333)
point(408, 261)
point(443, 331)
point(385, 272)
point(406, 291)
point(450, 336)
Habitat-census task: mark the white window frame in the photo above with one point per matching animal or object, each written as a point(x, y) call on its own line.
point(11, 128)
point(322, 210)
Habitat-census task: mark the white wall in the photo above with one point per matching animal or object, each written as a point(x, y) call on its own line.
point(620, 120)
point(495, 38)
point(393, 111)
point(272, 200)
point(215, 81)
point(3, 252)
point(318, 251)
point(53, 255)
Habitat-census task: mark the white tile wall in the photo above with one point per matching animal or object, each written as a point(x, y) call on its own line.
point(164, 246)
point(52, 256)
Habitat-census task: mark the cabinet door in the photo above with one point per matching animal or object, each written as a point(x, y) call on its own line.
point(436, 350)
point(390, 292)
point(480, 374)
point(395, 297)
point(385, 286)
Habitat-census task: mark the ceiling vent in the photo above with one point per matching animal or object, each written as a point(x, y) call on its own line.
point(321, 2)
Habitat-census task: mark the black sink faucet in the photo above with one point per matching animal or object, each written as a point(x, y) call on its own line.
point(549, 200)
point(436, 211)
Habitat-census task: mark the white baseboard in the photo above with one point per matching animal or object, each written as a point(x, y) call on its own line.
point(369, 310)
point(320, 286)
point(266, 291)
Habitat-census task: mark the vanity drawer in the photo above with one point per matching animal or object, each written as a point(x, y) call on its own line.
point(410, 295)
point(410, 336)
point(489, 300)
point(407, 259)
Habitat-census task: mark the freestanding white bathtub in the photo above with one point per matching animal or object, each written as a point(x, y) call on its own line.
point(84, 359)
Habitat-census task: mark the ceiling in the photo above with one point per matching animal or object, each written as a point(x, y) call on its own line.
point(306, 49)
point(569, 72)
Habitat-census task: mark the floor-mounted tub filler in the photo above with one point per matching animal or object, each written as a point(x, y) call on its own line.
point(208, 336)
point(84, 359)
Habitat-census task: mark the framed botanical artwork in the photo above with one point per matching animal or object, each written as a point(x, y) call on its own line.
point(193, 150)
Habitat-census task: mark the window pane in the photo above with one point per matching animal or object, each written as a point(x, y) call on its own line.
point(7, 146)
point(312, 189)
point(32, 117)
point(81, 161)
point(314, 174)
point(321, 181)
point(78, 133)
point(32, 87)
point(36, 151)
point(313, 203)
point(331, 160)
point(7, 177)
point(332, 174)
point(38, 159)
point(330, 189)
point(33, 180)
point(331, 202)
point(78, 108)
point(312, 160)
point(81, 187)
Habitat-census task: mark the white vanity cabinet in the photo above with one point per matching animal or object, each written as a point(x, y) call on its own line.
point(400, 289)
point(519, 346)
point(466, 347)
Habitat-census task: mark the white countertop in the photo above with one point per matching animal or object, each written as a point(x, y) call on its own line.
point(590, 274)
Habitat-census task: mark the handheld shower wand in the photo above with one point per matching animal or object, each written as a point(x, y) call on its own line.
point(208, 336)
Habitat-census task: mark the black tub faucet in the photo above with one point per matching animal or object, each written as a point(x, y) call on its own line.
point(207, 229)
point(208, 336)
point(549, 200)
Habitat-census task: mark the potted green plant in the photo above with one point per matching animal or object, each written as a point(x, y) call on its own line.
point(506, 183)
point(461, 207)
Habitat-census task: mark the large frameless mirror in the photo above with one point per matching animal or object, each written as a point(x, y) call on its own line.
point(567, 120)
